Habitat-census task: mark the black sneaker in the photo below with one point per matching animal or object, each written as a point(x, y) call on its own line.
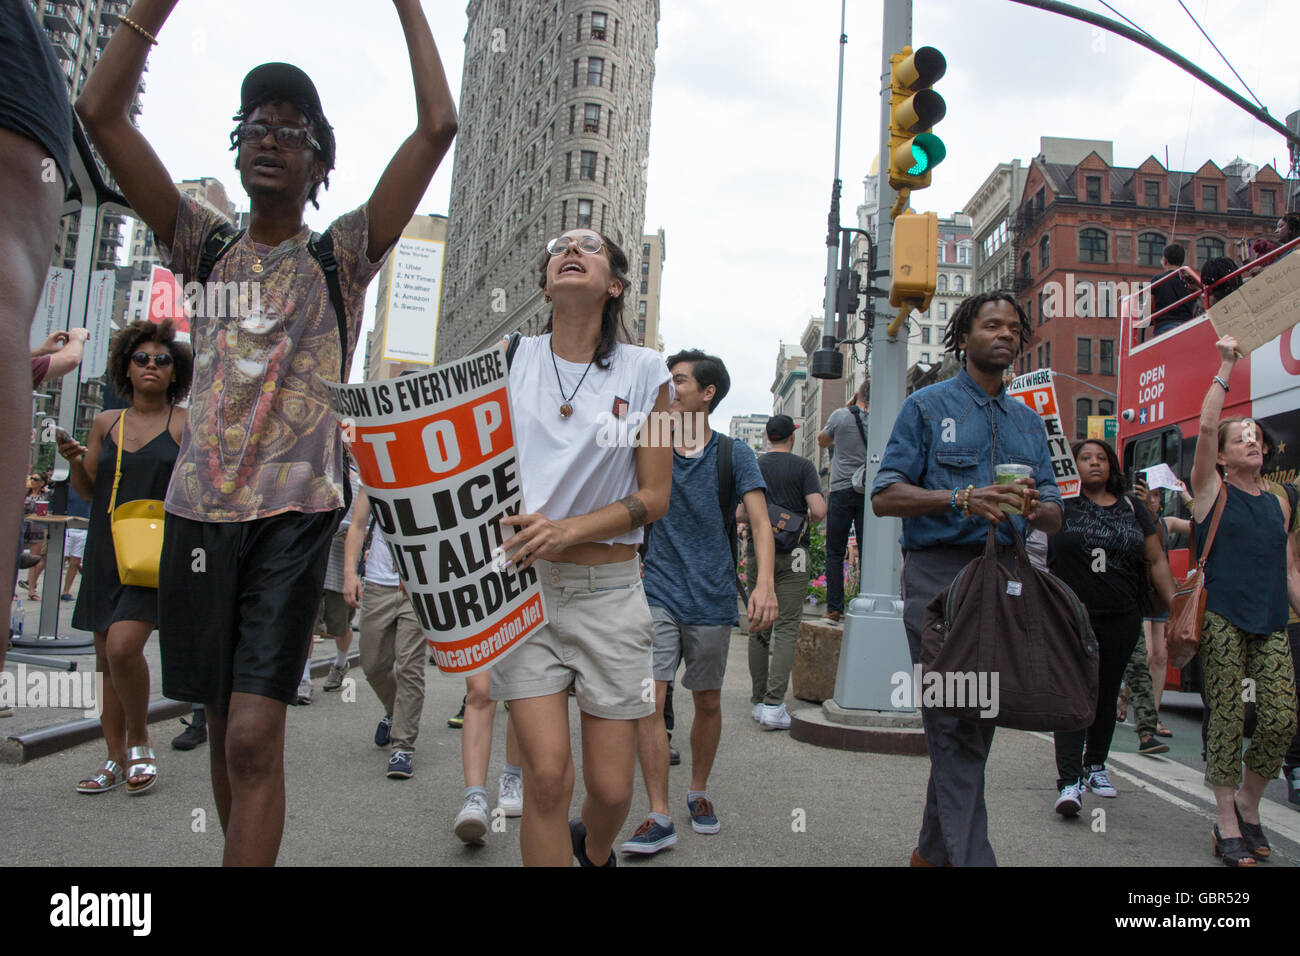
point(674, 757)
point(459, 720)
point(191, 737)
point(578, 834)
point(1292, 777)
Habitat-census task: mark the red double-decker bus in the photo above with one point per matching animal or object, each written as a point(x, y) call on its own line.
point(1162, 384)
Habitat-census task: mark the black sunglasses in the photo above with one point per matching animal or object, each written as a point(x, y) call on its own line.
point(161, 360)
point(290, 137)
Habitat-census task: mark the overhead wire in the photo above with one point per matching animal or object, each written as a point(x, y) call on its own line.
point(1224, 58)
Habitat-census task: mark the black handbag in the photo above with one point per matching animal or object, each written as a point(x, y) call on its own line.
point(787, 527)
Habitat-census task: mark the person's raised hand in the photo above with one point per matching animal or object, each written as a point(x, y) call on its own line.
point(1227, 347)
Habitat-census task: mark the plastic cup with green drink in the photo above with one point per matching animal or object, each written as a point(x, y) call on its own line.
point(1008, 473)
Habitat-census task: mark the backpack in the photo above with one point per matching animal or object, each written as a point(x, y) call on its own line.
point(321, 246)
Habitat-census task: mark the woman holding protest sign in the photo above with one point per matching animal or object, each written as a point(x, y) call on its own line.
point(1247, 571)
point(586, 501)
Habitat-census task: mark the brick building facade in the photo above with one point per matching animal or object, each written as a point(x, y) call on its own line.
point(1087, 234)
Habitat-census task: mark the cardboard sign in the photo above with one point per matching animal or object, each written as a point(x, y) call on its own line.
point(1036, 390)
point(1263, 308)
point(436, 453)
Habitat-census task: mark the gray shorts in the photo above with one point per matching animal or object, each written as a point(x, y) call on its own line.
point(597, 639)
point(704, 646)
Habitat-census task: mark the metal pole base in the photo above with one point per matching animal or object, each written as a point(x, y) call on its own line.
point(68, 644)
point(872, 653)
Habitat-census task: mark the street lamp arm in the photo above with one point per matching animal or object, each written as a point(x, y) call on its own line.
point(1055, 374)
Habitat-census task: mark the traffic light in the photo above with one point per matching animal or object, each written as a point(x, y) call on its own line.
point(914, 260)
point(914, 108)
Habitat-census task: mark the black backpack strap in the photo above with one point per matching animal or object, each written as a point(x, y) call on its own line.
point(512, 346)
point(216, 245)
point(857, 420)
point(726, 493)
point(321, 248)
point(1293, 496)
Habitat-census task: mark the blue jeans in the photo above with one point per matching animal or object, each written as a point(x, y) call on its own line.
point(843, 511)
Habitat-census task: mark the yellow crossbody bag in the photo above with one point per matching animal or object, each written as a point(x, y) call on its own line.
point(137, 530)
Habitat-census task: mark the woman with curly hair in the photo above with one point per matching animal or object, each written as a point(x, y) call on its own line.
point(151, 370)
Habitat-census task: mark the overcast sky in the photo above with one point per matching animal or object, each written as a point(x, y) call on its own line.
point(743, 123)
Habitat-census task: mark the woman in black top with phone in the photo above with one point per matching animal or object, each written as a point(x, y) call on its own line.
point(148, 367)
point(1101, 551)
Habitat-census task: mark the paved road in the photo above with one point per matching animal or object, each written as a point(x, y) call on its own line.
point(779, 801)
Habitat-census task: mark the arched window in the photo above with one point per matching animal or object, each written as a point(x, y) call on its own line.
point(1092, 246)
point(1044, 252)
point(1207, 248)
point(943, 283)
point(1151, 248)
point(958, 284)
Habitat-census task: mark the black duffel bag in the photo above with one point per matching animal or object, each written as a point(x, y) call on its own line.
point(1014, 648)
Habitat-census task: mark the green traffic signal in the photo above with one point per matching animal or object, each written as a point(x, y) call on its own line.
point(928, 151)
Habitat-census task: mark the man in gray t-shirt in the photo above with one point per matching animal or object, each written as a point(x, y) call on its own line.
point(849, 452)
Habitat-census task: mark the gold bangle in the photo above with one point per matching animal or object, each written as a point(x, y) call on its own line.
point(139, 29)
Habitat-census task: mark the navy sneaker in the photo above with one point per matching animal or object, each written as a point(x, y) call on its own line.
point(382, 731)
point(1292, 777)
point(703, 819)
point(651, 837)
point(401, 765)
point(578, 835)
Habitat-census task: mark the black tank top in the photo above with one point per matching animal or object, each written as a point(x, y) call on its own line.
point(1246, 572)
point(145, 472)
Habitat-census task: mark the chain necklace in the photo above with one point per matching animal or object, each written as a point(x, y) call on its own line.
point(567, 408)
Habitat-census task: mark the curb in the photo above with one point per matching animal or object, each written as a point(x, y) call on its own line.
point(21, 748)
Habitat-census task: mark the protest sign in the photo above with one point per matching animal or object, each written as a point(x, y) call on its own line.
point(1036, 390)
point(436, 453)
point(1263, 308)
point(1161, 476)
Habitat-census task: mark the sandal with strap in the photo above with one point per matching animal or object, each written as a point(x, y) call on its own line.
point(140, 763)
point(99, 781)
point(1233, 850)
point(1253, 834)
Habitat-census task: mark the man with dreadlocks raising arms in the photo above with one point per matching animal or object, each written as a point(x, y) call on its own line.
point(937, 475)
point(258, 486)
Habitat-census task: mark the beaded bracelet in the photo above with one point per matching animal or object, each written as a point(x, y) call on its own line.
point(953, 500)
point(140, 30)
point(965, 502)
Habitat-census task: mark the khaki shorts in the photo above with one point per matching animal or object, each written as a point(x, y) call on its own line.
point(598, 638)
point(336, 613)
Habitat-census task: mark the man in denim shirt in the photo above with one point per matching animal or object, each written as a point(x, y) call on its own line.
point(937, 475)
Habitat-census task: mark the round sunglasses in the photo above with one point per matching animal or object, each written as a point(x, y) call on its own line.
point(160, 360)
point(590, 245)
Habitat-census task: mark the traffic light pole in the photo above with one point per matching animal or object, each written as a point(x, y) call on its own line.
point(874, 646)
point(828, 361)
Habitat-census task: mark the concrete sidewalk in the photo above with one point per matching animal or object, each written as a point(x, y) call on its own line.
point(779, 802)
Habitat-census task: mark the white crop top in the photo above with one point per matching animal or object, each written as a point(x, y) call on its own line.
point(567, 466)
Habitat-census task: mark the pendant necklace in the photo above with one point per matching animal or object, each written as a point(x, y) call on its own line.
point(567, 408)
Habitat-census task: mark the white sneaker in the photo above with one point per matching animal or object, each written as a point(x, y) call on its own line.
point(472, 821)
point(1098, 781)
point(775, 718)
point(1070, 802)
point(304, 692)
point(510, 795)
point(757, 712)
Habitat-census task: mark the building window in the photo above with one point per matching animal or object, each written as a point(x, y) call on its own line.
point(645, 286)
point(588, 170)
point(958, 283)
point(1044, 252)
point(1092, 245)
point(1207, 248)
point(576, 68)
point(1083, 350)
point(963, 255)
point(1047, 346)
point(598, 23)
point(595, 70)
point(1026, 272)
point(1209, 198)
point(645, 250)
point(1106, 359)
point(925, 335)
point(1092, 186)
point(1105, 407)
point(584, 214)
point(591, 118)
point(1040, 200)
point(1082, 409)
point(1152, 188)
point(640, 307)
point(1040, 357)
point(942, 285)
point(943, 311)
point(1151, 248)
point(1267, 202)
point(925, 357)
point(942, 248)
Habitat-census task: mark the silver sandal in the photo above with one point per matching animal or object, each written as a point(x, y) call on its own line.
point(110, 770)
point(140, 763)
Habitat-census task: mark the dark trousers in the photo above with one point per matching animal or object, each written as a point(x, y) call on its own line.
point(1117, 635)
point(1292, 759)
point(843, 511)
point(955, 825)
